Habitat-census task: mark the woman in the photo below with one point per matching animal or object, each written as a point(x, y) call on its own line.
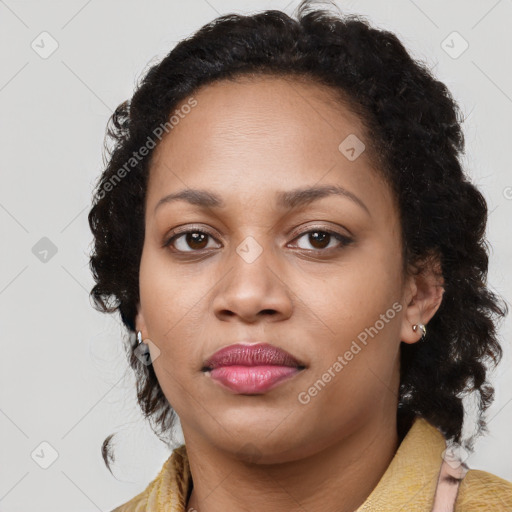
point(286, 230)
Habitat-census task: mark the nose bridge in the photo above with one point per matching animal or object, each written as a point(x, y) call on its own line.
point(253, 283)
point(252, 261)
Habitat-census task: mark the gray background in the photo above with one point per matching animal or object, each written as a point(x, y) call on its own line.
point(63, 374)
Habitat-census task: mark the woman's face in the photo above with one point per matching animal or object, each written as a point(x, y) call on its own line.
point(316, 274)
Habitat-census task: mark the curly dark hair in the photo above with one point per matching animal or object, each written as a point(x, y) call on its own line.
point(415, 139)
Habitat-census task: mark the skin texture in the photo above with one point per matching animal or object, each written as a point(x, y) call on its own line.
point(246, 141)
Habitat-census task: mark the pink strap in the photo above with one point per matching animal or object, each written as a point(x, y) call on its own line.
point(450, 476)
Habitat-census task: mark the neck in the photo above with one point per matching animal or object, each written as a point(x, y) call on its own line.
point(337, 478)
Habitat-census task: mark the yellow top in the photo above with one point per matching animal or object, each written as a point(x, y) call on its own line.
point(409, 483)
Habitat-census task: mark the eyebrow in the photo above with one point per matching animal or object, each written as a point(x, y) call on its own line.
point(288, 199)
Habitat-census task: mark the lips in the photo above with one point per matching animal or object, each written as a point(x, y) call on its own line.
point(261, 354)
point(251, 369)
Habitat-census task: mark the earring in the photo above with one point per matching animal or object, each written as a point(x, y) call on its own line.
point(142, 350)
point(422, 327)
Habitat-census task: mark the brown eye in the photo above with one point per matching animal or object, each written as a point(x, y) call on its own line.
point(190, 241)
point(320, 240)
point(196, 240)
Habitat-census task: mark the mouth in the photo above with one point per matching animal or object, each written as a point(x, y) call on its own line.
point(251, 369)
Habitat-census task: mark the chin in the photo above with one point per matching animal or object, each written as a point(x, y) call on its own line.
point(262, 446)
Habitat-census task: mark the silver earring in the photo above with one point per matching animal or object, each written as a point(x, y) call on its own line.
point(142, 350)
point(423, 329)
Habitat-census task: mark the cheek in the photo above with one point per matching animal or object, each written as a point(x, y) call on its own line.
point(360, 312)
point(353, 295)
point(171, 304)
point(167, 292)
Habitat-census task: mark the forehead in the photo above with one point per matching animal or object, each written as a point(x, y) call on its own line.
point(261, 132)
point(265, 110)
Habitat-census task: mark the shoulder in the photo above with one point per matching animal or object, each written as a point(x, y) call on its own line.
point(172, 485)
point(480, 490)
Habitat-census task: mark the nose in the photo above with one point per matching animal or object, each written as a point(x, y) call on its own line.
point(253, 290)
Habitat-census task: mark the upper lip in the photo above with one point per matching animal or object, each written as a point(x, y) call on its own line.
point(258, 354)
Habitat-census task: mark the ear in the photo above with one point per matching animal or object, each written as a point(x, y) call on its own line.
point(423, 294)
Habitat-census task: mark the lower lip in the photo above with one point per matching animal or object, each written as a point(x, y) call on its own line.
point(252, 379)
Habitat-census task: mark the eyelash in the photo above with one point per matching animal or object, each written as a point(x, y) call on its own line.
point(344, 240)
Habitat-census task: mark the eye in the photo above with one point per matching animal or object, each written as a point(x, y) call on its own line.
point(193, 240)
point(196, 240)
point(320, 239)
